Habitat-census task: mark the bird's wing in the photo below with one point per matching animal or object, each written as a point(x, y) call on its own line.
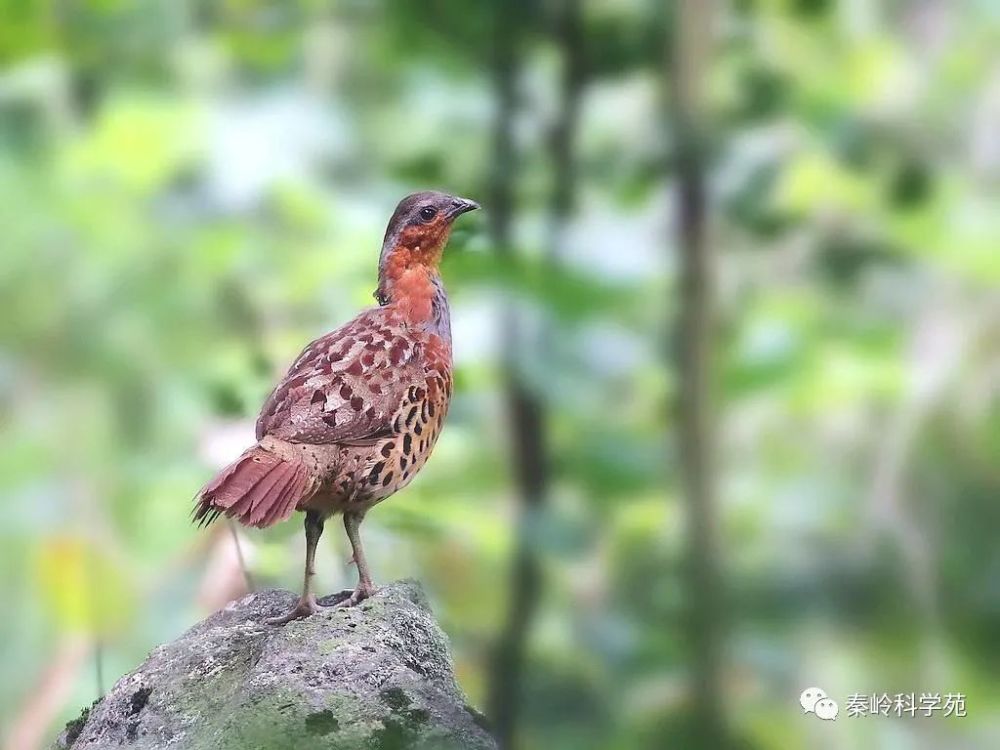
point(345, 386)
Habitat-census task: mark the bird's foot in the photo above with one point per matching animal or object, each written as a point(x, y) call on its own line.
point(304, 607)
point(349, 597)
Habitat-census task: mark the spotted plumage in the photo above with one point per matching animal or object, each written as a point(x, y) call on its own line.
point(359, 411)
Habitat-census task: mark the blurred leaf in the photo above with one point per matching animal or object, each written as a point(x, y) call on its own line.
point(83, 587)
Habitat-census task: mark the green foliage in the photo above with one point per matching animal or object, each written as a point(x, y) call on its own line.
point(191, 191)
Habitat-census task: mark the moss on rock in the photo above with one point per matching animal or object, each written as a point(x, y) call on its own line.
point(378, 676)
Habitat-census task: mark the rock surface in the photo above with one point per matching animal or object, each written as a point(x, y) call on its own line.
point(376, 676)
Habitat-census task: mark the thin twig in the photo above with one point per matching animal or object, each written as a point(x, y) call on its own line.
point(99, 666)
point(239, 556)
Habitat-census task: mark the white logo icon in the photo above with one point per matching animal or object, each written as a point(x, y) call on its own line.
point(826, 708)
point(809, 698)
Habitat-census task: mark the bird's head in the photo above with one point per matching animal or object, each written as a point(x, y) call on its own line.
point(421, 225)
point(418, 231)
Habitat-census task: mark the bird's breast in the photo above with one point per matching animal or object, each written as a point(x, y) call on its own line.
point(416, 426)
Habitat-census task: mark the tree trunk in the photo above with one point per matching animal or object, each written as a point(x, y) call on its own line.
point(696, 341)
point(526, 412)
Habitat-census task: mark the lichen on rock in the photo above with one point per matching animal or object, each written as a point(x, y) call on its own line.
point(377, 676)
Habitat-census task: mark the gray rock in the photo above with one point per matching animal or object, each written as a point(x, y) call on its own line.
point(375, 676)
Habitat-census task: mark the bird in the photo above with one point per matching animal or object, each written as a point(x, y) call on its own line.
point(359, 411)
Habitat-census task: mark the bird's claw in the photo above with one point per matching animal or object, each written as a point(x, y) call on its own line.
point(349, 597)
point(304, 607)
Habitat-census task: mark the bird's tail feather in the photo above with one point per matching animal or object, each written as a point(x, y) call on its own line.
point(258, 489)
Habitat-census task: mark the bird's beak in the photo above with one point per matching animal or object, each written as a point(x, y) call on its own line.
point(461, 206)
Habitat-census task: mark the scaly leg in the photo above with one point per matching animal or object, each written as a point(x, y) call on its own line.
point(306, 604)
point(365, 587)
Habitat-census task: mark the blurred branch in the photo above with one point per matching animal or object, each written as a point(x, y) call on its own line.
point(505, 70)
point(569, 38)
point(247, 579)
point(226, 576)
point(696, 341)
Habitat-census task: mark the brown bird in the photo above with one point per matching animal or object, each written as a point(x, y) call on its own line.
point(360, 410)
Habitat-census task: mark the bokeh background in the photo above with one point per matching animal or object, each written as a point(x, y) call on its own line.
point(727, 338)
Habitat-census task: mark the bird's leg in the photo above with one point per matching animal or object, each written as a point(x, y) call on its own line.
point(352, 523)
point(306, 604)
point(365, 587)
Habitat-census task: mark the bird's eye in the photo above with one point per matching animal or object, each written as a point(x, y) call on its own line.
point(427, 213)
